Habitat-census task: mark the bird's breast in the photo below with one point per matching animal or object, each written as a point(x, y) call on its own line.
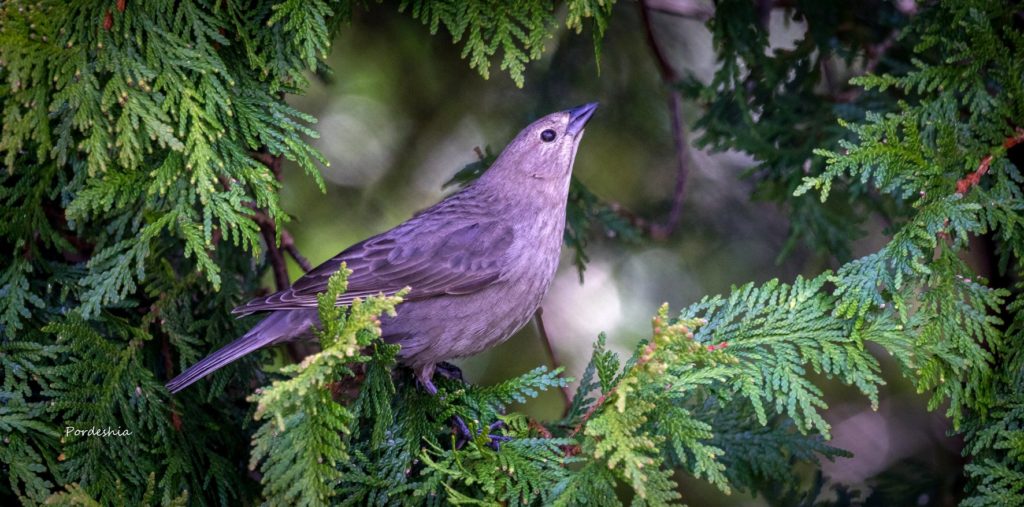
point(538, 240)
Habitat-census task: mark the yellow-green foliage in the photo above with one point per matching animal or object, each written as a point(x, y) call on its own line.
point(299, 446)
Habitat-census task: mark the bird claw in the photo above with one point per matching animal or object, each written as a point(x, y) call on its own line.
point(465, 435)
point(450, 372)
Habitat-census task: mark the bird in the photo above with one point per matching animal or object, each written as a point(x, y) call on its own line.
point(477, 264)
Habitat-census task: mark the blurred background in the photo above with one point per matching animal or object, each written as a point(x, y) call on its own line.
point(402, 112)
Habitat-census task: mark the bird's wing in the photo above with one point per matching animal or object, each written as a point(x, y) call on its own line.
point(431, 258)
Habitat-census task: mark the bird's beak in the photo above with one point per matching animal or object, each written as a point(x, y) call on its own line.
point(579, 116)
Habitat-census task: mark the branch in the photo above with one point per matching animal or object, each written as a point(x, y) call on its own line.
point(675, 98)
point(635, 220)
point(269, 231)
point(273, 163)
point(274, 255)
point(590, 411)
point(964, 184)
point(57, 220)
point(644, 358)
point(682, 8)
point(165, 351)
point(288, 243)
point(546, 341)
point(675, 213)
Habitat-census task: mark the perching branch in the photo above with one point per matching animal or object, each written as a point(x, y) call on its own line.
point(546, 341)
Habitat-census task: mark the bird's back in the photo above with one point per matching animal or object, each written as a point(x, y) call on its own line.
point(449, 326)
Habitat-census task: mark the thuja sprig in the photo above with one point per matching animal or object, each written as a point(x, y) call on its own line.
point(299, 447)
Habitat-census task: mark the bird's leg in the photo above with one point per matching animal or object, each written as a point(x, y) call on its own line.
point(425, 377)
point(450, 371)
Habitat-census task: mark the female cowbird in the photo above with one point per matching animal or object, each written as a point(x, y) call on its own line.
point(478, 263)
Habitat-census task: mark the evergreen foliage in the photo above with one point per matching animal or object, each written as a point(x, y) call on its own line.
point(140, 144)
point(517, 29)
point(780, 103)
point(299, 447)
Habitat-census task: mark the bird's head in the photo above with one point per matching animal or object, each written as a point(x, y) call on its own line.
point(542, 153)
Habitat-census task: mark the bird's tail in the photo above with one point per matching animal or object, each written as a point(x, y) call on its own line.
point(278, 327)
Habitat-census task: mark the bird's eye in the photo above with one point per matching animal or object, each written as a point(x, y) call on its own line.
point(547, 136)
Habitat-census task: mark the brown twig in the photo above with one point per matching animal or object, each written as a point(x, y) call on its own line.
point(636, 221)
point(964, 184)
point(826, 74)
point(539, 428)
point(664, 230)
point(877, 51)
point(81, 250)
point(645, 358)
point(546, 341)
point(277, 262)
point(269, 231)
point(288, 243)
point(675, 99)
point(165, 352)
point(590, 411)
point(273, 163)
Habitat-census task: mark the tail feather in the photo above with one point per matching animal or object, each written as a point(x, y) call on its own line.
point(276, 328)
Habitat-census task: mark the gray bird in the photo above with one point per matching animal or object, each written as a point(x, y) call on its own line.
point(478, 263)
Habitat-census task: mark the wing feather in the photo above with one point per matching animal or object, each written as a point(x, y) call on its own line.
point(431, 257)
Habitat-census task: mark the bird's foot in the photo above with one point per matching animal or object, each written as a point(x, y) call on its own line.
point(465, 435)
point(463, 431)
point(450, 372)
